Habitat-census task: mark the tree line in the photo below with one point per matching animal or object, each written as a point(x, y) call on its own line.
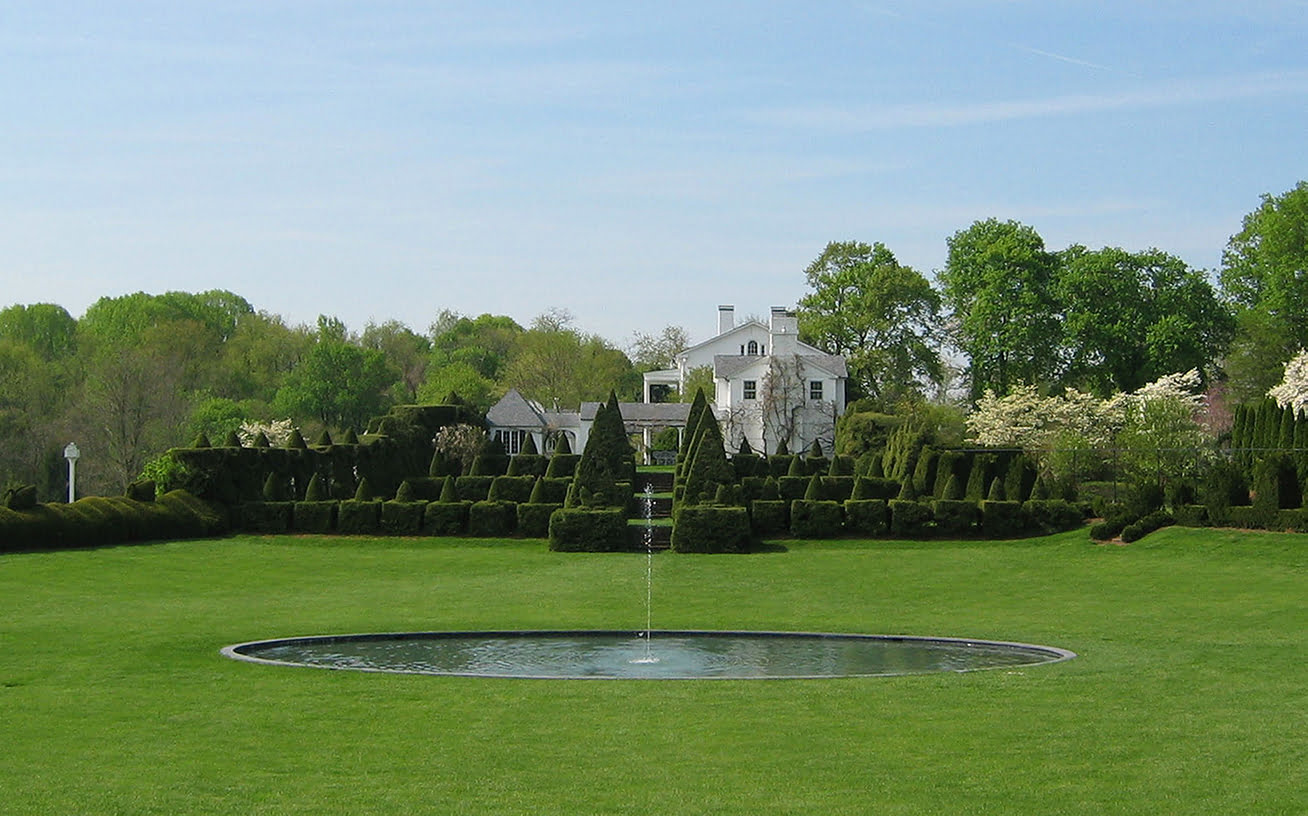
point(140, 373)
point(1009, 312)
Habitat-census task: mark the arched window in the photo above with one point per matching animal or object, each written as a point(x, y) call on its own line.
point(753, 347)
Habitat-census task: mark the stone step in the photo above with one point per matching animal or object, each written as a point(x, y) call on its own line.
point(658, 481)
point(660, 536)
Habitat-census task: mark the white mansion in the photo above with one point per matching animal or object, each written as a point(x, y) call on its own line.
point(768, 387)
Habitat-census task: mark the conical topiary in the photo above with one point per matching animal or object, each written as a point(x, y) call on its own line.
point(448, 491)
point(834, 468)
point(529, 446)
point(491, 458)
point(324, 439)
point(815, 450)
point(564, 446)
point(796, 467)
point(514, 468)
point(724, 496)
point(537, 492)
point(350, 438)
point(364, 491)
point(261, 441)
point(770, 491)
point(708, 466)
point(876, 469)
point(860, 489)
point(405, 493)
point(698, 406)
point(782, 448)
point(315, 492)
point(953, 490)
point(745, 449)
point(273, 489)
point(233, 440)
point(907, 492)
point(296, 441)
point(1039, 491)
point(201, 441)
point(814, 490)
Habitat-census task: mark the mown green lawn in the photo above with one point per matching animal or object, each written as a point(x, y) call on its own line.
point(1190, 694)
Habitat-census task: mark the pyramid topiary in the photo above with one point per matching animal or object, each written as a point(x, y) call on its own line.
point(232, 440)
point(315, 492)
point(996, 490)
point(745, 449)
point(273, 489)
point(529, 446)
point(364, 491)
point(296, 441)
point(405, 493)
point(814, 490)
point(564, 446)
point(324, 439)
point(350, 438)
point(200, 441)
point(448, 491)
point(707, 467)
point(782, 448)
point(796, 467)
point(261, 441)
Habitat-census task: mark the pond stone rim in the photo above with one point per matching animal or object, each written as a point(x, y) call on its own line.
point(237, 651)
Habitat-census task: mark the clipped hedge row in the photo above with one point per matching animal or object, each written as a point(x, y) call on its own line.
point(911, 519)
point(102, 521)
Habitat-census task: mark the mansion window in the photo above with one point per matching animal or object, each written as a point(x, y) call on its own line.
point(815, 390)
point(512, 441)
point(753, 347)
point(751, 389)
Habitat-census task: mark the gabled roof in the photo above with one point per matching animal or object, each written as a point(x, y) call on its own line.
point(515, 411)
point(726, 366)
point(737, 329)
point(671, 413)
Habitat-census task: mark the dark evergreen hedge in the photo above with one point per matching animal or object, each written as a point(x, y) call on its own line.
point(104, 521)
point(711, 529)
point(867, 517)
point(446, 518)
point(402, 518)
point(869, 487)
point(1139, 529)
point(511, 488)
point(272, 517)
point(956, 517)
point(314, 516)
point(769, 517)
point(816, 519)
point(562, 465)
point(473, 488)
point(534, 519)
point(1047, 516)
point(586, 530)
point(356, 517)
point(792, 488)
point(492, 519)
point(1002, 519)
point(909, 519)
point(1195, 515)
point(1292, 521)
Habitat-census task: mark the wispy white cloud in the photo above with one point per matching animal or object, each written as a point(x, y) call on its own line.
point(852, 118)
point(1062, 58)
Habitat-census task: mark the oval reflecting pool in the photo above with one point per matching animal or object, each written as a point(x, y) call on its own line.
point(668, 655)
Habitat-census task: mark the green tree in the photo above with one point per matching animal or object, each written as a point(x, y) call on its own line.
point(408, 352)
point(999, 282)
point(337, 382)
point(882, 316)
point(1131, 317)
point(559, 366)
point(45, 328)
point(1265, 274)
point(653, 352)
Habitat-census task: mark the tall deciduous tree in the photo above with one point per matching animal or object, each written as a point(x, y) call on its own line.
point(1265, 273)
point(881, 315)
point(337, 382)
point(407, 351)
point(999, 282)
point(1131, 317)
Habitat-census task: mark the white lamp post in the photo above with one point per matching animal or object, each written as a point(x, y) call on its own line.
point(71, 453)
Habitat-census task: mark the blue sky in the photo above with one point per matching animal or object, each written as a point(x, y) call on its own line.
point(634, 163)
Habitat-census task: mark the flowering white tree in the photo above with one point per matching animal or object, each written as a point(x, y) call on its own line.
point(277, 432)
point(1293, 390)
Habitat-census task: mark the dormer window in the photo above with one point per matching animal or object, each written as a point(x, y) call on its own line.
point(753, 347)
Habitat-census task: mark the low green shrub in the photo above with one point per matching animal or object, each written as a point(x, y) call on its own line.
point(909, 519)
point(711, 529)
point(315, 516)
point(1002, 519)
point(511, 488)
point(870, 487)
point(1249, 517)
point(534, 519)
point(402, 517)
point(446, 518)
point(816, 519)
point(473, 488)
point(268, 517)
point(1191, 515)
point(769, 517)
point(576, 529)
point(492, 519)
point(791, 488)
point(355, 517)
point(1111, 527)
point(1293, 520)
point(1137, 530)
point(956, 517)
point(1048, 516)
point(866, 517)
